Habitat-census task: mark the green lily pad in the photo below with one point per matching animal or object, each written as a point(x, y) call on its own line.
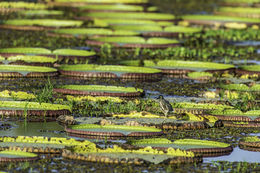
point(112, 130)
point(93, 31)
point(177, 64)
point(121, 7)
point(138, 40)
point(237, 115)
point(25, 50)
point(13, 155)
point(239, 10)
point(43, 22)
point(220, 18)
point(112, 21)
point(106, 1)
point(30, 59)
point(131, 15)
point(197, 75)
point(73, 52)
point(195, 145)
point(251, 143)
point(255, 68)
point(102, 88)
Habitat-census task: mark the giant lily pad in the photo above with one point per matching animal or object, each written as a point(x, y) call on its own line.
point(40, 144)
point(113, 130)
point(134, 42)
point(105, 1)
point(182, 67)
point(241, 119)
point(11, 71)
point(100, 90)
point(109, 71)
point(112, 21)
point(242, 3)
point(38, 24)
point(219, 20)
point(158, 31)
point(249, 69)
point(7, 7)
point(23, 108)
point(114, 8)
point(240, 11)
point(131, 15)
point(29, 60)
point(206, 148)
point(119, 155)
point(251, 143)
point(83, 32)
point(36, 52)
point(15, 156)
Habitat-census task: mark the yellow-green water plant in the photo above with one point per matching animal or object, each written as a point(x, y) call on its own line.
point(73, 52)
point(251, 143)
point(94, 99)
point(253, 68)
point(41, 13)
point(25, 50)
point(239, 10)
point(147, 154)
point(190, 105)
point(20, 105)
point(251, 139)
point(22, 5)
point(137, 40)
point(93, 31)
point(16, 95)
point(241, 87)
point(131, 15)
point(43, 22)
point(41, 143)
point(25, 69)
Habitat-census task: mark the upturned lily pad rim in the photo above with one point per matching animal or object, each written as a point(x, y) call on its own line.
point(103, 88)
point(108, 68)
point(236, 112)
point(119, 127)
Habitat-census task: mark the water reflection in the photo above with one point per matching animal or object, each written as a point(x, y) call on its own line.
point(238, 155)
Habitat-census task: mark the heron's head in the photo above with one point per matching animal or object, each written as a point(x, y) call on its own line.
point(160, 97)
